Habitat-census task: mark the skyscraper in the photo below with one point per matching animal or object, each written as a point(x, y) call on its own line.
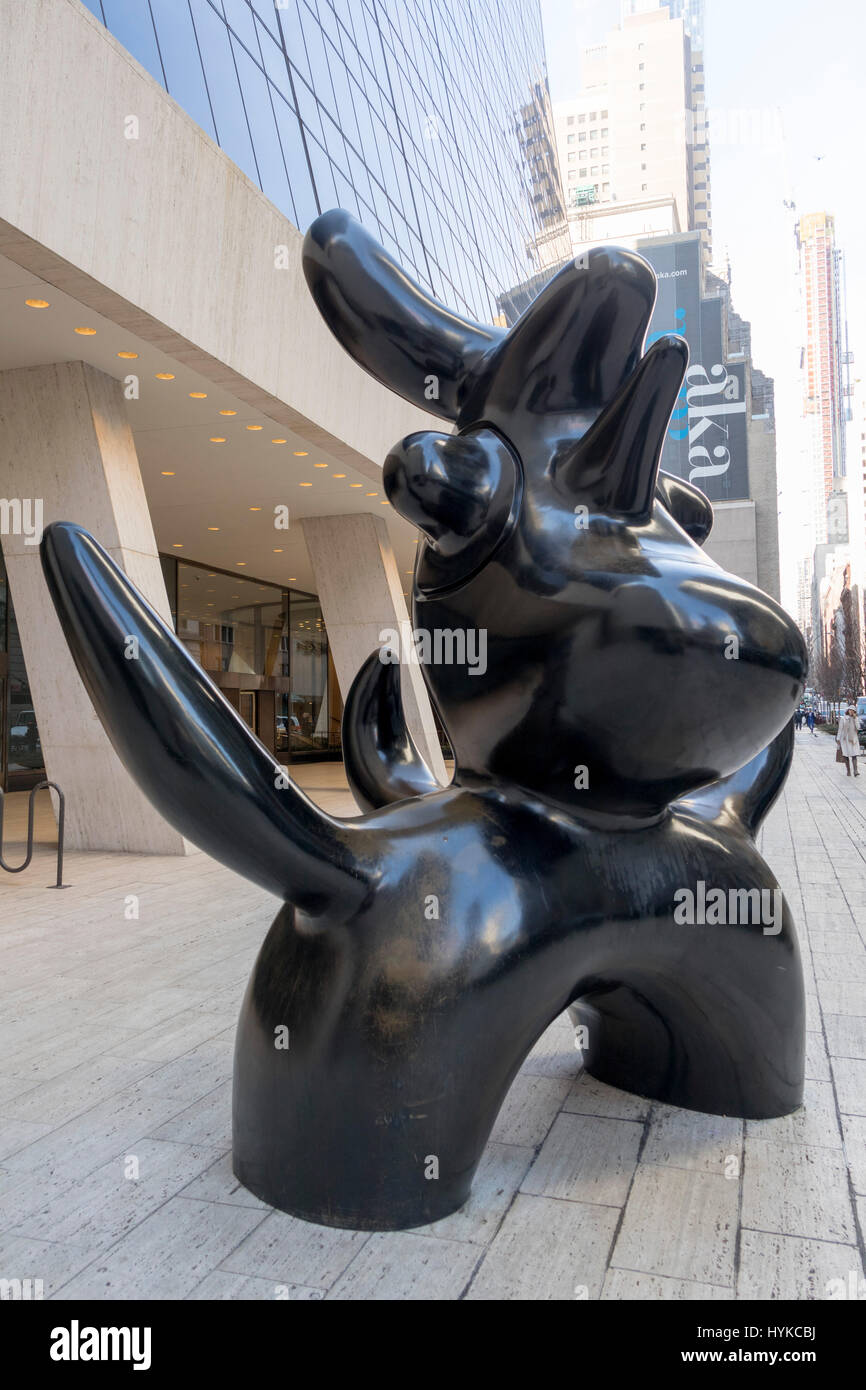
point(691, 12)
point(411, 116)
point(825, 361)
point(643, 168)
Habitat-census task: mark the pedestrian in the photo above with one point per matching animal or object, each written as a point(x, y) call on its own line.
point(810, 720)
point(847, 741)
point(798, 720)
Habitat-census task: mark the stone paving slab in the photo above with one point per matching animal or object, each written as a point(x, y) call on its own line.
point(115, 1111)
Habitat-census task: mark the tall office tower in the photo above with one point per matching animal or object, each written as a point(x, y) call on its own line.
point(805, 572)
point(691, 12)
point(647, 171)
point(825, 361)
point(376, 108)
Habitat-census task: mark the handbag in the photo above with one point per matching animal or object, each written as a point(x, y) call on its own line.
point(840, 756)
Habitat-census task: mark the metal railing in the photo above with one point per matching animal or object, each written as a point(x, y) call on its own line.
point(61, 816)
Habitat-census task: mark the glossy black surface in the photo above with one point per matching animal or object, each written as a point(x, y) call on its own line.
point(629, 732)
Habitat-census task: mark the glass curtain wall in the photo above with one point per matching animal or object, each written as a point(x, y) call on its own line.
point(410, 114)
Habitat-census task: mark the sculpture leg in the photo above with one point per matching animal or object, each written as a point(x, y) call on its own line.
point(727, 1041)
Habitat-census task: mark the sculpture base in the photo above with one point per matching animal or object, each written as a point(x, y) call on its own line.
point(435, 1206)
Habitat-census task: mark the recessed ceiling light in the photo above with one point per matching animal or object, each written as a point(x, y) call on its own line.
point(408, 571)
point(210, 605)
point(255, 427)
point(217, 439)
point(167, 474)
point(279, 441)
point(198, 395)
point(415, 542)
point(165, 376)
point(228, 412)
point(278, 550)
point(320, 465)
point(130, 355)
point(240, 562)
point(306, 484)
point(177, 545)
point(213, 528)
point(339, 475)
point(292, 579)
point(85, 332)
point(301, 453)
point(37, 304)
point(255, 509)
point(356, 485)
point(386, 503)
point(371, 494)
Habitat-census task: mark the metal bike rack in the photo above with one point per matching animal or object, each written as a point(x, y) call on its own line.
point(61, 816)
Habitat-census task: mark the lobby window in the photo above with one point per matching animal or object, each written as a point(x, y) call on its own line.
point(570, 120)
point(583, 173)
point(570, 139)
point(581, 120)
point(593, 135)
point(308, 719)
point(267, 649)
point(22, 761)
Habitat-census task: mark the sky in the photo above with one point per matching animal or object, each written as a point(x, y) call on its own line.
point(796, 68)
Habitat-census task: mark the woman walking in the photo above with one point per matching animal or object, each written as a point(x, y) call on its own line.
point(847, 740)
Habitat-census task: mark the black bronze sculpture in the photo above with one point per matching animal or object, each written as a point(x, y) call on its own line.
point(613, 763)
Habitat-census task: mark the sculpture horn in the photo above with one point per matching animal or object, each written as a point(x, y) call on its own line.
point(189, 751)
point(392, 328)
point(615, 464)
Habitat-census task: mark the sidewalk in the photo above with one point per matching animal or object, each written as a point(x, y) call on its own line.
point(117, 1013)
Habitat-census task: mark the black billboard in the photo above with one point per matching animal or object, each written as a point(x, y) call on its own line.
point(707, 440)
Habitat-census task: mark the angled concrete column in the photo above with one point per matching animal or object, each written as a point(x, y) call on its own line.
point(65, 442)
point(361, 595)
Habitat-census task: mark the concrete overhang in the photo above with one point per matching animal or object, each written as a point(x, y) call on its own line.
point(168, 250)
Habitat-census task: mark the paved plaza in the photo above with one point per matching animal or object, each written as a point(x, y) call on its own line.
point(119, 1001)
